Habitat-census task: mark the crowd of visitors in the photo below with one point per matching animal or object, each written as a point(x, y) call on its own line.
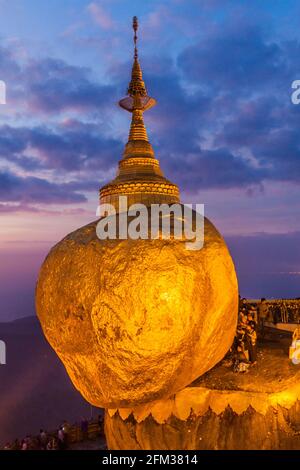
point(252, 322)
point(282, 311)
point(58, 440)
point(245, 343)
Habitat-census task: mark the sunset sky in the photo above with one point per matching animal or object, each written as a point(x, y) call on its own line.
point(225, 129)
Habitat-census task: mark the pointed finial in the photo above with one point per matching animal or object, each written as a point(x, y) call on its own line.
point(135, 26)
point(137, 94)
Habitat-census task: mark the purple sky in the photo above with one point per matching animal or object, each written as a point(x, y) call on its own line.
point(225, 129)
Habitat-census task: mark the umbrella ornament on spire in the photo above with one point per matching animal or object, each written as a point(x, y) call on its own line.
point(137, 98)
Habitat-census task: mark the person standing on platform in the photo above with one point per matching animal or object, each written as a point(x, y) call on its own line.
point(262, 315)
point(253, 311)
point(84, 425)
point(43, 439)
point(66, 431)
point(61, 439)
point(251, 342)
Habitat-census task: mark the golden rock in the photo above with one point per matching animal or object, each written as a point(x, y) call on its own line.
point(137, 320)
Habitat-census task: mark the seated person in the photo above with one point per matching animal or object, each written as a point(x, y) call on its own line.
point(296, 334)
point(294, 353)
point(241, 363)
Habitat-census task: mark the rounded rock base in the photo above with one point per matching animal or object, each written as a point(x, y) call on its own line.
point(222, 410)
point(277, 429)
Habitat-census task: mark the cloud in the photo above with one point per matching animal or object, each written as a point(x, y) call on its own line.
point(239, 107)
point(81, 149)
point(71, 147)
point(214, 169)
point(9, 67)
point(16, 208)
point(100, 16)
point(238, 57)
point(62, 94)
point(32, 190)
point(54, 86)
point(50, 86)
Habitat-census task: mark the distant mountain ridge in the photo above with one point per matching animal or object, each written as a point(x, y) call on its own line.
point(35, 389)
point(22, 325)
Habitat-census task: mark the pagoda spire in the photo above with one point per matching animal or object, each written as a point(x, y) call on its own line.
point(139, 175)
point(137, 100)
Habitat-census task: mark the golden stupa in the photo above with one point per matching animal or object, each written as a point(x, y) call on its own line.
point(137, 320)
point(140, 177)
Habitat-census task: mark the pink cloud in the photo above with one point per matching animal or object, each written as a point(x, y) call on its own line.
point(100, 16)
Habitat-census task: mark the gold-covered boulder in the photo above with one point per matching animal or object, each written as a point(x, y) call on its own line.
point(137, 320)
